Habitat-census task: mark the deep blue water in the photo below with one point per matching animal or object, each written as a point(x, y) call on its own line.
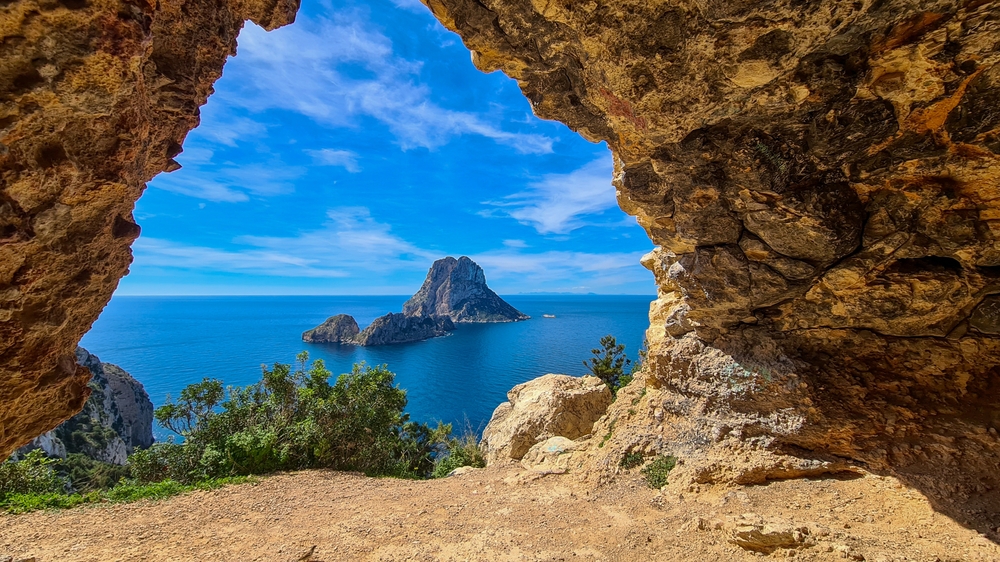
point(169, 342)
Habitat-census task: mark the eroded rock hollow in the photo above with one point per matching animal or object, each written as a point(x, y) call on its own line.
point(96, 97)
point(822, 180)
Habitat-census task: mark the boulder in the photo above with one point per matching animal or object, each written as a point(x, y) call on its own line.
point(341, 328)
point(554, 455)
point(549, 406)
point(457, 289)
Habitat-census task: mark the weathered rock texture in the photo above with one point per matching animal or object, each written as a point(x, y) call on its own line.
point(822, 180)
point(115, 421)
point(549, 406)
point(457, 289)
point(341, 328)
point(96, 97)
point(400, 328)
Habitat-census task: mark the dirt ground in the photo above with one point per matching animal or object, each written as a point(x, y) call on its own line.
point(500, 514)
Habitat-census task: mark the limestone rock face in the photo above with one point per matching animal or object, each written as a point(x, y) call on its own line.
point(549, 406)
point(341, 328)
point(400, 328)
point(822, 180)
point(457, 289)
point(116, 419)
point(95, 99)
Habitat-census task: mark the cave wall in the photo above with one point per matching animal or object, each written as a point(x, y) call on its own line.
point(822, 181)
point(96, 97)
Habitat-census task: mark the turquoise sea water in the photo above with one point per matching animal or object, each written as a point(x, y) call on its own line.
point(170, 342)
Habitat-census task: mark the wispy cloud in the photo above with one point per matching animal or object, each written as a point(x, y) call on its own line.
point(560, 270)
point(559, 203)
point(330, 157)
point(350, 243)
point(233, 129)
point(335, 71)
point(414, 5)
point(228, 182)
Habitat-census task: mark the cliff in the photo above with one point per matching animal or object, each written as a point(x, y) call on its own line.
point(400, 328)
point(821, 180)
point(95, 99)
point(457, 289)
point(116, 419)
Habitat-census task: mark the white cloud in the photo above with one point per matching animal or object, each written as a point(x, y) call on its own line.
point(412, 5)
point(349, 243)
point(559, 271)
point(330, 157)
point(515, 243)
point(232, 129)
point(299, 68)
point(559, 202)
point(229, 183)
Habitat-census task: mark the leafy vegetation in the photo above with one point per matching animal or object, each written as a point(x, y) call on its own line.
point(460, 451)
point(631, 460)
point(125, 491)
point(656, 471)
point(291, 419)
point(610, 364)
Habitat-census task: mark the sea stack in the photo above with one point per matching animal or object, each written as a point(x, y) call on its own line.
point(456, 288)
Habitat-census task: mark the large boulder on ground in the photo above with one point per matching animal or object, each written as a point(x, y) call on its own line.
point(549, 406)
point(341, 328)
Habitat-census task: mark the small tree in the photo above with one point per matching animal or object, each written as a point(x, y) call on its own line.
point(610, 364)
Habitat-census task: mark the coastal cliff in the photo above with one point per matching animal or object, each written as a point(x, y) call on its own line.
point(116, 419)
point(457, 288)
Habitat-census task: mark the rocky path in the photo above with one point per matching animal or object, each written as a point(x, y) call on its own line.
point(503, 514)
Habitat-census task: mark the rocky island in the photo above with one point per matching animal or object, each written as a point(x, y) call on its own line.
point(457, 289)
point(454, 291)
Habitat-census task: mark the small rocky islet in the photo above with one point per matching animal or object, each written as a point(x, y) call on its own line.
point(454, 292)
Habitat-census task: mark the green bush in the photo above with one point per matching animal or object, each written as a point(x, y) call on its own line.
point(631, 460)
point(461, 451)
point(609, 364)
point(656, 472)
point(85, 474)
point(292, 420)
point(34, 474)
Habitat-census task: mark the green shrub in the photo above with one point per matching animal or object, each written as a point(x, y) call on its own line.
point(34, 474)
point(631, 460)
point(292, 420)
point(609, 364)
point(461, 451)
point(656, 472)
point(85, 474)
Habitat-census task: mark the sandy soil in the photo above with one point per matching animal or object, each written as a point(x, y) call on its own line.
point(498, 514)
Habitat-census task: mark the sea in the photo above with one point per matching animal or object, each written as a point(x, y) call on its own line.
point(169, 342)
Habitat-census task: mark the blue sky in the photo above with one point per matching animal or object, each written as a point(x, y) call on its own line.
point(346, 152)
